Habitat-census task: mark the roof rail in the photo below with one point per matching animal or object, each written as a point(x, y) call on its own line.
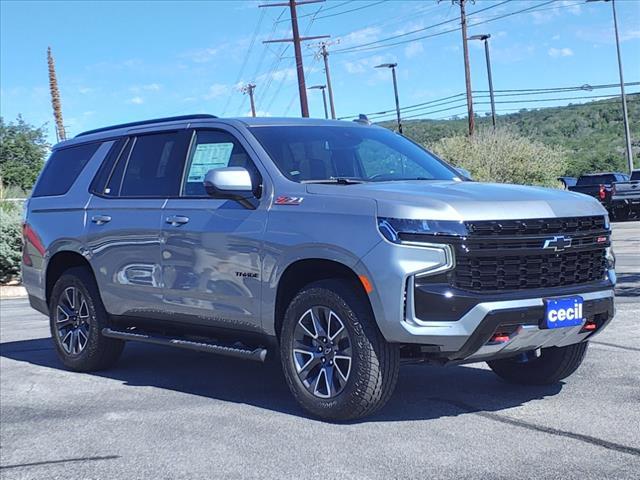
point(148, 122)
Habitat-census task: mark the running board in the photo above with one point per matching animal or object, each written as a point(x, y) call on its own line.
point(258, 354)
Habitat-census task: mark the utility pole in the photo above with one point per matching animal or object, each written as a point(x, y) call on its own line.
point(248, 89)
point(61, 135)
point(296, 39)
point(485, 38)
point(325, 55)
point(467, 70)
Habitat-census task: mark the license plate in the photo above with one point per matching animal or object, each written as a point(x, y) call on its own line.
point(562, 312)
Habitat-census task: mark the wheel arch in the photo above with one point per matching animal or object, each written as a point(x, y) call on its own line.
point(302, 272)
point(59, 263)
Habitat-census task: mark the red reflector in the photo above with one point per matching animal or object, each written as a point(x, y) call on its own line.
point(590, 326)
point(499, 338)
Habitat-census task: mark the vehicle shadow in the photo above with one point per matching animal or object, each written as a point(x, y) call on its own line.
point(423, 392)
point(628, 285)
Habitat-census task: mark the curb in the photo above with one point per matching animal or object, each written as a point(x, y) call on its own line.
point(8, 292)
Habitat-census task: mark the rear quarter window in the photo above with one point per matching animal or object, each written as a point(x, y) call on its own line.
point(62, 169)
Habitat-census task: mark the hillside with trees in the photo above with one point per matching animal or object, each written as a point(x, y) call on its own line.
point(591, 134)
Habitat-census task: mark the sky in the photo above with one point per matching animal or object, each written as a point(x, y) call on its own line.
point(121, 61)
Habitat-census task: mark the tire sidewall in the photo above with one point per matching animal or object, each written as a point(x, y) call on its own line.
point(75, 362)
point(318, 296)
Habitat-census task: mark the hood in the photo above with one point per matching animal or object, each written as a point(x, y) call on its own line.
point(452, 200)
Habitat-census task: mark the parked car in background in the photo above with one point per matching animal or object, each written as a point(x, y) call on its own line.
point(600, 186)
point(341, 249)
point(626, 197)
point(567, 182)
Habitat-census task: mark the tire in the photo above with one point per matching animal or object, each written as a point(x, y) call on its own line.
point(371, 373)
point(622, 213)
point(97, 352)
point(553, 365)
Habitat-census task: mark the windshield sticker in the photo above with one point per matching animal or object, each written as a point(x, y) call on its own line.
point(209, 156)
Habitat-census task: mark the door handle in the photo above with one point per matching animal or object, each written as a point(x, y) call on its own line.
point(177, 220)
point(100, 219)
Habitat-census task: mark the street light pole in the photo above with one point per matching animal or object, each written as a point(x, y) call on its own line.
point(324, 97)
point(625, 113)
point(485, 38)
point(393, 66)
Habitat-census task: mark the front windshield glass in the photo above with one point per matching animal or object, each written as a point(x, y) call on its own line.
point(326, 153)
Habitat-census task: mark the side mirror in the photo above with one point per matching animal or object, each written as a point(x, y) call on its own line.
point(231, 183)
point(464, 172)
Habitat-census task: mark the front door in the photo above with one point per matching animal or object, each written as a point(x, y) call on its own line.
point(211, 250)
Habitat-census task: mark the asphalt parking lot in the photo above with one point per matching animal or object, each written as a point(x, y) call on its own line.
point(165, 413)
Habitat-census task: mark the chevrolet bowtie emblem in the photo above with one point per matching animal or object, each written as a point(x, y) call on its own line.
point(557, 243)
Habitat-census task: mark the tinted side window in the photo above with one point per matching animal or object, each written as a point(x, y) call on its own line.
point(154, 167)
point(102, 177)
point(62, 169)
point(213, 149)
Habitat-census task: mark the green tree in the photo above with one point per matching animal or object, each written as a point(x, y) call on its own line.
point(23, 148)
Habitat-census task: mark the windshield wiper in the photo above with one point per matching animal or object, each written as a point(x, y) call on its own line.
point(336, 180)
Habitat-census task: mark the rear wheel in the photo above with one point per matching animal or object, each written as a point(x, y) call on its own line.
point(76, 318)
point(553, 365)
point(336, 362)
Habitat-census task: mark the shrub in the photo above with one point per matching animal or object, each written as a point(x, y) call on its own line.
point(503, 156)
point(10, 242)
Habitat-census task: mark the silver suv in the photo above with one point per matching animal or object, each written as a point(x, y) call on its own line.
point(340, 248)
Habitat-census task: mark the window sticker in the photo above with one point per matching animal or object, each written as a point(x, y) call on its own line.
point(209, 156)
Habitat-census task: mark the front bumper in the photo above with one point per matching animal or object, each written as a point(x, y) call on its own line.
point(457, 325)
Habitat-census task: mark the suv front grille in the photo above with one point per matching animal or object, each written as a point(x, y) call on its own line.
point(509, 255)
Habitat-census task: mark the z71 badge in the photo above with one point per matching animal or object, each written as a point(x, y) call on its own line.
point(285, 200)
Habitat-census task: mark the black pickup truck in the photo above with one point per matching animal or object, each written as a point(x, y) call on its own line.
point(600, 186)
point(626, 196)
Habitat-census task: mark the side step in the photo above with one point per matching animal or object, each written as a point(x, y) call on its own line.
point(258, 354)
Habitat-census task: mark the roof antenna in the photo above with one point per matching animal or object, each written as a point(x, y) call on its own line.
point(363, 119)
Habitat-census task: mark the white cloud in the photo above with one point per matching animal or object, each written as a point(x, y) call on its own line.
point(365, 65)
point(136, 100)
point(202, 55)
point(413, 49)
point(560, 52)
point(85, 90)
point(559, 7)
point(365, 35)
point(216, 90)
point(151, 87)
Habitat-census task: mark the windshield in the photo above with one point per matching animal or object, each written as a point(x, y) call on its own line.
point(595, 179)
point(635, 175)
point(327, 153)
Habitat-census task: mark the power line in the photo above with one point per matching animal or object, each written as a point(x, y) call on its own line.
point(353, 9)
point(510, 102)
point(246, 57)
point(373, 46)
point(419, 29)
point(499, 93)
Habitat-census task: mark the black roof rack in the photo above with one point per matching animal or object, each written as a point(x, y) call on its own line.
point(148, 122)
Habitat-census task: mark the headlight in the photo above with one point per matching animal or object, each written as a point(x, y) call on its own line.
point(399, 230)
point(607, 224)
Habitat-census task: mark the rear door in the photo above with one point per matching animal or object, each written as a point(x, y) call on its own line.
point(124, 218)
point(211, 254)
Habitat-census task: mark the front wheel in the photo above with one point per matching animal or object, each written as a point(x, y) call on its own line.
point(553, 365)
point(335, 360)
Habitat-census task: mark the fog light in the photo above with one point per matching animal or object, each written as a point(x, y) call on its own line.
point(610, 258)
